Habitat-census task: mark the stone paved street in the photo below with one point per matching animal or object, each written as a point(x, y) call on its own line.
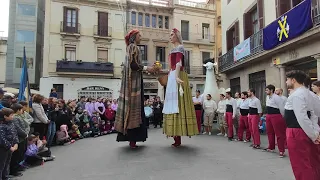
point(201, 158)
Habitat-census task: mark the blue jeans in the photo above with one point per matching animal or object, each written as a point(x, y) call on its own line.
point(51, 132)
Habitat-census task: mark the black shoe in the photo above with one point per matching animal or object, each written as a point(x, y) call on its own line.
point(17, 174)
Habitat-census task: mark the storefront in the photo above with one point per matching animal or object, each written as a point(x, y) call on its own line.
point(150, 89)
point(308, 65)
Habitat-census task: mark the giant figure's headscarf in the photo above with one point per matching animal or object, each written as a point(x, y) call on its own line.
point(131, 36)
point(178, 35)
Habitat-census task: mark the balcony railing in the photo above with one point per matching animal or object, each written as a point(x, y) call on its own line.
point(197, 37)
point(162, 3)
point(195, 4)
point(64, 66)
point(227, 61)
point(71, 28)
point(102, 31)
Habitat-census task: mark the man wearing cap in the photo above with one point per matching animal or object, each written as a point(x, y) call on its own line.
point(130, 122)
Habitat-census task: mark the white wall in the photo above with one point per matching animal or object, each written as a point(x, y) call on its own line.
point(71, 86)
point(3, 57)
point(234, 11)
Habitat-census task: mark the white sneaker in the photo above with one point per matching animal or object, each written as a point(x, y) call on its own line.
point(220, 134)
point(226, 135)
point(209, 133)
point(204, 133)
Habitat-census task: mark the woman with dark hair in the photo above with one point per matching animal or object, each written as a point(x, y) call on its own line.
point(41, 120)
point(53, 112)
point(64, 116)
point(316, 87)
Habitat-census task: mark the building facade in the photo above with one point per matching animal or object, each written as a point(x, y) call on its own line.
point(3, 57)
point(84, 48)
point(260, 67)
point(197, 23)
point(26, 19)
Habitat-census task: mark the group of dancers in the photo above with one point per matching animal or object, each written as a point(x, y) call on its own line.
point(294, 121)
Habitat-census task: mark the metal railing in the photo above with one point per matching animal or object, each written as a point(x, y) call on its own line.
point(162, 3)
point(197, 37)
point(194, 4)
point(226, 61)
point(72, 28)
point(102, 31)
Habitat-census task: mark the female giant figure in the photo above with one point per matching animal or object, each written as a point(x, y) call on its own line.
point(179, 114)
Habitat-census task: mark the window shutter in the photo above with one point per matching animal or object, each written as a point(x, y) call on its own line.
point(77, 20)
point(260, 7)
point(64, 18)
point(236, 30)
point(247, 25)
point(229, 40)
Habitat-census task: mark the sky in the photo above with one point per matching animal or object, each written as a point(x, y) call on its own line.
point(4, 17)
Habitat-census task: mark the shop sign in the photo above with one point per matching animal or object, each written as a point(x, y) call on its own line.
point(150, 85)
point(95, 88)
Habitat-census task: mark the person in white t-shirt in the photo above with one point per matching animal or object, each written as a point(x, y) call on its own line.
point(209, 107)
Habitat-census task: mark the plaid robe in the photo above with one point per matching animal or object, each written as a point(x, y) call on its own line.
point(129, 112)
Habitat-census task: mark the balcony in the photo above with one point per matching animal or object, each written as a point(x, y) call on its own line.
point(194, 4)
point(197, 38)
point(84, 68)
point(160, 3)
point(73, 29)
point(102, 32)
point(149, 33)
point(226, 61)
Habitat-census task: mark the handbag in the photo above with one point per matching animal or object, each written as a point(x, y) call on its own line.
point(163, 80)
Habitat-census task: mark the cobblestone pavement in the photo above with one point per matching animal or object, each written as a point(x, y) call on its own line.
point(200, 158)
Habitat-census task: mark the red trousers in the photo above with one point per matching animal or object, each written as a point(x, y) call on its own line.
point(199, 117)
point(229, 122)
point(304, 155)
point(276, 127)
point(254, 128)
point(244, 125)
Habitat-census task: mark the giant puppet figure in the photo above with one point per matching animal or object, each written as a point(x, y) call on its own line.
point(130, 120)
point(179, 114)
point(211, 86)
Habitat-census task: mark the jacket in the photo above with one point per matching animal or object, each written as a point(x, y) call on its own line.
point(26, 121)
point(39, 114)
point(21, 127)
point(32, 150)
point(8, 135)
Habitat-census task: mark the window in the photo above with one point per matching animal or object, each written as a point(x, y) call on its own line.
point(154, 21)
point(144, 52)
point(160, 22)
point(205, 58)
point(205, 31)
point(26, 9)
point(70, 53)
point(166, 22)
point(233, 36)
point(315, 8)
point(140, 19)
point(25, 36)
point(257, 81)
point(147, 20)
point(187, 61)
point(235, 85)
point(103, 24)
point(19, 62)
point(102, 55)
point(133, 18)
point(70, 20)
point(185, 30)
point(255, 22)
point(161, 55)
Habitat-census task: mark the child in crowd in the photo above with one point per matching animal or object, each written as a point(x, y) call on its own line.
point(87, 131)
point(74, 133)
point(110, 115)
point(8, 140)
point(42, 146)
point(96, 122)
point(32, 156)
point(81, 118)
point(63, 136)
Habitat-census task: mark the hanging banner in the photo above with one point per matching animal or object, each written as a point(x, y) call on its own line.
point(241, 50)
point(290, 25)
